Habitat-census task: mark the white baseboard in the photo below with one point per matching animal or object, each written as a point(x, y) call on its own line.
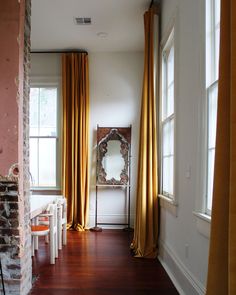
point(182, 278)
point(111, 218)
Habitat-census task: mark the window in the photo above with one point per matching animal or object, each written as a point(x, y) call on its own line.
point(167, 119)
point(212, 65)
point(44, 137)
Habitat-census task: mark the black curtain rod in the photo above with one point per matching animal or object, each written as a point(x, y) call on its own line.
point(151, 4)
point(59, 51)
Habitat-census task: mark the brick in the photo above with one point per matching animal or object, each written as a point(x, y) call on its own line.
point(9, 232)
point(11, 214)
point(10, 205)
point(11, 198)
point(13, 187)
point(13, 266)
point(9, 240)
point(12, 250)
point(9, 223)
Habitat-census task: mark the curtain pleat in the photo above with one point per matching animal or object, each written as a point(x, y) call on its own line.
point(75, 88)
point(222, 256)
point(146, 224)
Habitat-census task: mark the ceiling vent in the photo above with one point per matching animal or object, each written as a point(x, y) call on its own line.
point(83, 20)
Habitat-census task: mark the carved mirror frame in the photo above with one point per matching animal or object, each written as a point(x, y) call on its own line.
point(104, 135)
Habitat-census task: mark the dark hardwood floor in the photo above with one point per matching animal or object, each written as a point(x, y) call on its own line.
point(98, 264)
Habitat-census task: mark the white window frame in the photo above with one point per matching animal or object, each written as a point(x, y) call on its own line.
point(166, 198)
point(209, 85)
point(203, 216)
point(52, 82)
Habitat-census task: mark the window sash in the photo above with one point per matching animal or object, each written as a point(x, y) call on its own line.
point(42, 124)
point(44, 169)
point(53, 168)
point(168, 176)
point(167, 120)
point(212, 72)
point(167, 154)
point(212, 41)
point(168, 136)
point(168, 82)
point(212, 93)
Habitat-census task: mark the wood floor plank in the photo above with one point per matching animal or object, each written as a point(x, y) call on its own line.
point(98, 264)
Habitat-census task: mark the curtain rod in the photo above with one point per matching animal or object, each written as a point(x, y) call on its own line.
point(59, 51)
point(150, 6)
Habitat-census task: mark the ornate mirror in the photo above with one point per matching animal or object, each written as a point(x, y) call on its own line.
point(113, 148)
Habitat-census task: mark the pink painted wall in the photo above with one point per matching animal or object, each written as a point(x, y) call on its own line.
point(9, 71)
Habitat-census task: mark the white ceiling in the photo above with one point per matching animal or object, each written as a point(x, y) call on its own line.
point(53, 26)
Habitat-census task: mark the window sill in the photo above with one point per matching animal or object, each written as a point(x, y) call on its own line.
point(168, 204)
point(203, 223)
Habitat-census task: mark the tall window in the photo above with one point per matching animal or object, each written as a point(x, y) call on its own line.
point(212, 71)
point(44, 137)
point(167, 119)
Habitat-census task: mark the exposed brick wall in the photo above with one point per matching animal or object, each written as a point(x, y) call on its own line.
point(15, 236)
point(9, 235)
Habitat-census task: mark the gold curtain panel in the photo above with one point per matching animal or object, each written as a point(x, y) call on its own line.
point(146, 223)
point(222, 257)
point(75, 91)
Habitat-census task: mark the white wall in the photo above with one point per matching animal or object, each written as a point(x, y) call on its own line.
point(184, 250)
point(115, 95)
point(45, 65)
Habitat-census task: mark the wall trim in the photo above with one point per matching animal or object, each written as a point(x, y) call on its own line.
point(184, 281)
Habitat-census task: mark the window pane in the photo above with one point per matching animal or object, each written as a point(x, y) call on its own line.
point(217, 51)
point(47, 162)
point(208, 43)
point(210, 176)
point(34, 161)
point(168, 157)
point(48, 111)
point(170, 100)
point(168, 180)
point(168, 83)
point(164, 105)
point(172, 175)
point(168, 138)
point(164, 88)
point(217, 12)
point(208, 61)
point(170, 66)
point(217, 36)
point(212, 115)
point(168, 117)
point(166, 176)
point(33, 121)
point(171, 137)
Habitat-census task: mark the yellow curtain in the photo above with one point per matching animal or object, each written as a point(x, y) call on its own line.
point(222, 256)
point(75, 88)
point(146, 223)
